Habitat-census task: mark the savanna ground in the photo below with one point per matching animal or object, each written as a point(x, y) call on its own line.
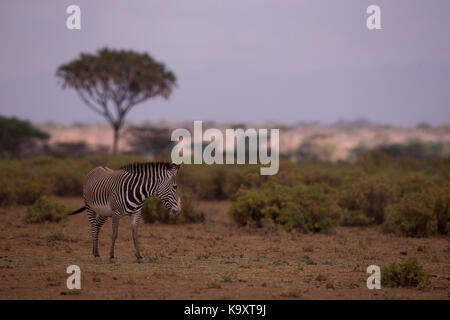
point(215, 259)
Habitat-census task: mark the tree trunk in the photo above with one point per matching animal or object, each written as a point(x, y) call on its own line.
point(116, 139)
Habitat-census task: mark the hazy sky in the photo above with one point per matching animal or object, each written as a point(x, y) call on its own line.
point(243, 60)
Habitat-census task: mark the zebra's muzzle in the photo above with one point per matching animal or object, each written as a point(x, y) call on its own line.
point(178, 210)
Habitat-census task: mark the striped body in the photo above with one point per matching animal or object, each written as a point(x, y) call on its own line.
point(115, 193)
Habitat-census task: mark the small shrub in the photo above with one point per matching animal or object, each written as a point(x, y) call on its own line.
point(414, 182)
point(408, 273)
point(45, 209)
point(56, 236)
point(64, 175)
point(214, 284)
point(154, 210)
point(442, 212)
point(203, 182)
point(190, 214)
point(241, 177)
point(355, 218)
point(7, 195)
point(305, 208)
point(68, 181)
point(29, 191)
point(413, 216)
point(364, 203)
point(320, 174)
point(74, 292)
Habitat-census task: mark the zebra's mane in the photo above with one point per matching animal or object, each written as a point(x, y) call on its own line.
point(139, 166)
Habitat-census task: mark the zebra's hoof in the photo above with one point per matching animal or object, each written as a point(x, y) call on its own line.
point(112, 260)
point(97, 259)
point(140, 260)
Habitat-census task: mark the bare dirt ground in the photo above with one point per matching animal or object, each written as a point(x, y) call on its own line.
point(210, 260)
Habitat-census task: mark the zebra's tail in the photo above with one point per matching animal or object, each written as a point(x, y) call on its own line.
point(78, 211)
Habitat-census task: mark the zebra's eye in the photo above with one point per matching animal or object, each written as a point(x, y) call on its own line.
point(175, 186)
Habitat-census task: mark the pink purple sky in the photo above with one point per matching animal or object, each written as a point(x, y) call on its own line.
point(241, 61)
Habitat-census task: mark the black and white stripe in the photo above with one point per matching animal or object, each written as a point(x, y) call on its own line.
point(114, 193)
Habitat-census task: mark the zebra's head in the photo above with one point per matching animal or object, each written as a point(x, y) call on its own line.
point(167, 191)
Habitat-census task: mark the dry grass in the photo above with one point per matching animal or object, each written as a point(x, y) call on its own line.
point(210, 260)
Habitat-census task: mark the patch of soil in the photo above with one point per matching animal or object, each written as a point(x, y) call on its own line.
point(210, 260)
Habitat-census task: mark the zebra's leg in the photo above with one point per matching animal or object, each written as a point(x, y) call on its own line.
point(99, 223)
point(92, 216)
point(115, 231)
point(134, 226)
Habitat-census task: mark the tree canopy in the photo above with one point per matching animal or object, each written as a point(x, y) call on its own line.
point(17, 135)
point(112, 82)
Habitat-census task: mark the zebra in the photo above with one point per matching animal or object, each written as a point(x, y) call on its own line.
point(115, 193)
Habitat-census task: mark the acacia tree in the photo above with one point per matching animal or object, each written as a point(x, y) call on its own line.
point(112, 82)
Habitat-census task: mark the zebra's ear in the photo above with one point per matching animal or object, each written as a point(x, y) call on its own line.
point(175, 167)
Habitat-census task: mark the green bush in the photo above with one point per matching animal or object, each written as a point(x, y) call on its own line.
point(414, 182)
point(45, 209)
point(365, 202)
point(321, 174)
point(67, 178)
point(154, 211)
point(355, 218)
point(442, 211)
point(251, 206)
point(289, 174)
point(219, 182)
point(203, 182)
point(241, 177)
point(408, 273)
point(7, 195)
point(413, 216)
point(27, 192)
point(305, 208)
